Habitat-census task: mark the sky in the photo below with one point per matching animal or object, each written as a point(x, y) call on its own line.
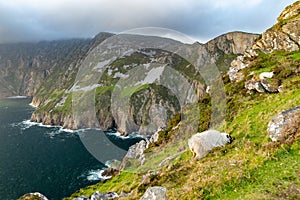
point(35, 20)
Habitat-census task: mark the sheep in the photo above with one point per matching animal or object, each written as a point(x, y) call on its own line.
point(201, 143)
point(264, 75)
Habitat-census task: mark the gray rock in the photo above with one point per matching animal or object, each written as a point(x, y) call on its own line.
point(254, 84)
point(201, 143)
point(155, 193)
point(271, 88)
point(35, 196)
point(98, 196)
point(285, 125)
point(81, 198)
point(111, 195)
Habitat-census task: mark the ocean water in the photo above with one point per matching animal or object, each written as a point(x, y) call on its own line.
point(49, 160)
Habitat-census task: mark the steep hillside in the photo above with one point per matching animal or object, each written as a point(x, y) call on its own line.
point(253, 166)
point(24, 67)
point(54, 106)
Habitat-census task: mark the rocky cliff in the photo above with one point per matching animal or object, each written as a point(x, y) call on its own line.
point(283, 36)
point(46, 71)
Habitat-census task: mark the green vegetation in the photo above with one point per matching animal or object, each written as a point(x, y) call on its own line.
point(252, 167)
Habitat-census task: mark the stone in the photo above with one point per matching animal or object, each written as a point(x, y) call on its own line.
point(254, 84)
point(155, 193)
point(271, 88)
point(81, 198)
point(111, 195)
point(98, 196)
point(285, 126)
point(33, 196)
point(201, 143)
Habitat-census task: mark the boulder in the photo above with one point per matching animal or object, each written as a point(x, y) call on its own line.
point(285, 127)
point(98, 196)
point(33, 196)
point(254, 84)
point(270, 87)
point(201, 143)
point(155, 193)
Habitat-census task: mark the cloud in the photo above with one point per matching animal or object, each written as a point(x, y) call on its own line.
point(33, 20)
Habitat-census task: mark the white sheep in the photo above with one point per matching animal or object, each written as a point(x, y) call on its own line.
point(264, 75)
point(201, 143)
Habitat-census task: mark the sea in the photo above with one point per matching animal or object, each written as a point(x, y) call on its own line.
point(49, 160)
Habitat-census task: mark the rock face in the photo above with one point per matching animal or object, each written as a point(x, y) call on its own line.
point(285, 127)
point(33, 196)
point(284, 36)
point(155, 193)
point(201, 143)
point(232, 43)
point(136, 151)
point(46, 71)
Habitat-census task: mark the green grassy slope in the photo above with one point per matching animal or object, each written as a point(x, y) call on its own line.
point(252, 167)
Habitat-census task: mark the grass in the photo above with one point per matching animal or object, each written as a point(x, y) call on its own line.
point(252, 167)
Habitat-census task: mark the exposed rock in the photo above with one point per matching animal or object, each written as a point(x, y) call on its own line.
point(81, 198)
point(201, 143)
point(33, 196)
point(110, 172)
point(284, 36)
point(236, 66)
point(232, 43)
point(111, 195)
point(135, 152)
point(155, 193)
point(254, 84)
point(271, 88)
point(124, 194)
point(147, 177)
point(290, 11)
point(285, 126)
point(274, 40)
point(98, 196)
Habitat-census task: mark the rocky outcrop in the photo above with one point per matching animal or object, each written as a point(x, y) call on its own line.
point(54, 119)
point(33, 196)
point(136, 151)
point(231, 43)
point(284, 36)
point(201, 143)
point(263, 86)
point(99, 196)
point(285, 127)
point(155, 193)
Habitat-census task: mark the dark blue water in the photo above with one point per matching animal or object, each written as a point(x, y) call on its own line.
point(47, 160)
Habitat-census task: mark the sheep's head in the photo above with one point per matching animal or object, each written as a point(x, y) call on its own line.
point(230, 139)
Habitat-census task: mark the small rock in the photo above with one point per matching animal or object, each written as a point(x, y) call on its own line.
point(81, 198)
point(285, 126)
point(98, 196)
point(271, 88)
point(201, 143)
point(111, 195)
point(155, 193)
point(254, 84)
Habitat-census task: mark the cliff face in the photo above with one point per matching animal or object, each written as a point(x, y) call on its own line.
point(47, 70)
point(26, 67)
point(283, 36)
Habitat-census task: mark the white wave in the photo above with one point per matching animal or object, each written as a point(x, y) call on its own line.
point(17, 97)
point(32, 105)
point(27, 124)
point(130, 136)
point(96, 175)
